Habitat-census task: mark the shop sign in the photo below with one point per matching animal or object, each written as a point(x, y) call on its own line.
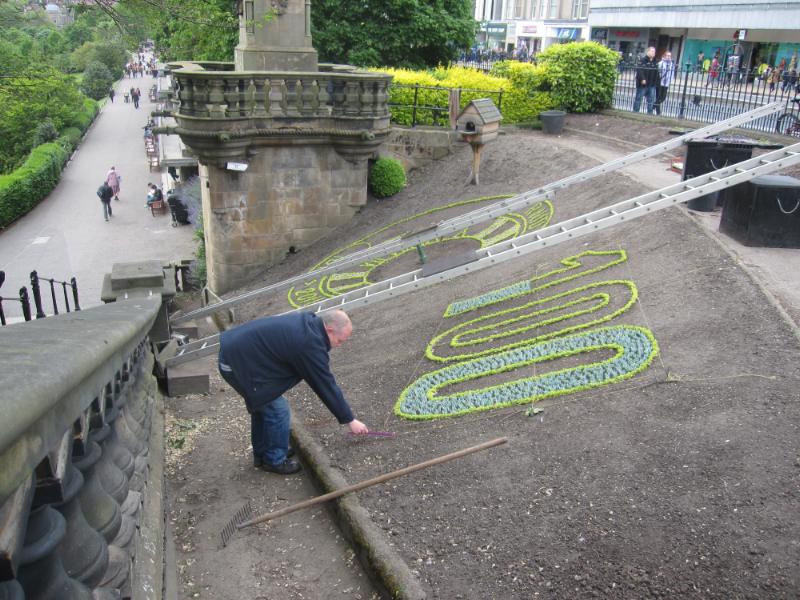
point(600, 34)
point(529, 29)
point(739, 34)
point(494, 29)
point(567, 33)
point(627, 34)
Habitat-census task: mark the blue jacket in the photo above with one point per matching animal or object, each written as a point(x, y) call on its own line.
point(270, 356)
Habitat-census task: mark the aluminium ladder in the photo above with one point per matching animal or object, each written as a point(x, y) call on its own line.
point(452, 226)
point(537, 240)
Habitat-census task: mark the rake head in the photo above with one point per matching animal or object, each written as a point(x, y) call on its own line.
point(239, 518)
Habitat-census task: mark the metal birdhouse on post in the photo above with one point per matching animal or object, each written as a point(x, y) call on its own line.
point(478, 124)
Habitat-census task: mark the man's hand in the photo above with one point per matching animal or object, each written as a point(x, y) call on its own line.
point(357, 427)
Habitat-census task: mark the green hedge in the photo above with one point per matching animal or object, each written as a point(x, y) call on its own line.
point(24, 188)
point(387, 177)
point(518, 103)
point(90, 110)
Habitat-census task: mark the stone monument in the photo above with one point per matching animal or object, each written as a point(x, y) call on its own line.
point(282, 143)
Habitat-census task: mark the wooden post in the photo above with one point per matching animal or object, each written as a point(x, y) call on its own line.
point(476, 163)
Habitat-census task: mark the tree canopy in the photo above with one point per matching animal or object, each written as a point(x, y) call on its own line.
point(392, 33)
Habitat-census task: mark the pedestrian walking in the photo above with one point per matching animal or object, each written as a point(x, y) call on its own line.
point(105, 193)
point(135, 97)
point(113, 179)
point(111, 94)
point(646, 80)
point(713, 73)
point(264, 358)
point(666, 75)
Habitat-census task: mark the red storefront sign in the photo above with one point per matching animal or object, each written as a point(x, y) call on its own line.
point(632, 34)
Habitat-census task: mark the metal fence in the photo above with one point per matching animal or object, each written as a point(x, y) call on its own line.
point(708, 97)
point(417, 112)
point(24, 298)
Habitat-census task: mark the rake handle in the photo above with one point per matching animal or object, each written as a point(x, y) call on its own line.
point(371, 482)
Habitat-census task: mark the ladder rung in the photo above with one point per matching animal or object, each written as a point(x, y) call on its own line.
point(688, 187)
point(662, 195)
point(790, 153)
point(538, 239)
point(715, 179)
point(637, 203)
point(589, 221)
point(564, 229)
point(767, 162)
point(204, 346)
point(613, 212)
point(740, 170)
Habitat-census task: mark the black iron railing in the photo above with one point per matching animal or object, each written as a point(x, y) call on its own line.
point(24, 297)
point(709, 95)
point(421, 112)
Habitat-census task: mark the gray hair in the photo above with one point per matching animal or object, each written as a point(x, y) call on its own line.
point(337, 319)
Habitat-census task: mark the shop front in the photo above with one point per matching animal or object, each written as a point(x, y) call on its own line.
point(564, 35)
point(744, 50)
point(631, 43)
point(494, 36)
point(529, 37)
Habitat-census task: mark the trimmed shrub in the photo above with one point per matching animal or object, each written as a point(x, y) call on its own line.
point(66, 144)
point(73, 134)
point(579, 76)
point(387, 178)
point(85, 118)
point(24, 188)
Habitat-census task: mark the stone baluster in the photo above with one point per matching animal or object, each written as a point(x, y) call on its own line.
point(14, 513)
point(185, 97)
point(382, 98)
point(307, 96)
point(259, 97)
point(367, 97)
point(275, 97)
point(41, 572)
point(351, 98)
point(216, 98)
point(234, 96)
point(291, 97)
point(338, 97)
point(120, 425)
point(324, 91)
point(83, 551)
point(11, 590)
point(200, 97)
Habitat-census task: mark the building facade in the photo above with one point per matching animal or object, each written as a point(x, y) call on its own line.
point(532, 25)
point(746, 35)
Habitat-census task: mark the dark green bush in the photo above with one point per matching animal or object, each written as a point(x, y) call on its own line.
point(96, 80)
point(46, 133)
point(66, 143)
point(387, 178)
point(24, 188)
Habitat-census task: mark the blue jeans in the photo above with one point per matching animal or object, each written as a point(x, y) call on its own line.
point(649, 93)
point(269, 428)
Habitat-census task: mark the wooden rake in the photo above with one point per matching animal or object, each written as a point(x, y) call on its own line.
point(239, 522)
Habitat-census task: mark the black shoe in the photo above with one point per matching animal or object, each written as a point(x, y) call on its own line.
point(110, 214)
point(257, 462)
point(286, 468)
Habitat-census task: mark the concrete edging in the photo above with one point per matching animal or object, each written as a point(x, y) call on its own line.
point(386, 568)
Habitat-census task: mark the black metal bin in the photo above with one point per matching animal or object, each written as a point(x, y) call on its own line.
point(764, 212)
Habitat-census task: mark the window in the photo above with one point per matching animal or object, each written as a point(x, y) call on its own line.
point(532, 7)
point(543, 9)
point(518, 11)
point(580, 9)
point(553, 10)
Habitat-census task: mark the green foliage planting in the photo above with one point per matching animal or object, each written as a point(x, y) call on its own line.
point(84, 118)
point(517, 104)
point(633, 347)
point(22, 189)
point(73, 134)
point(387, 177)
point(46, 133)
point(580, 76)
point(97, 80)
point(503, 228)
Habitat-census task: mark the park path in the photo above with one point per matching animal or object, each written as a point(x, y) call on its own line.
point(65, 235)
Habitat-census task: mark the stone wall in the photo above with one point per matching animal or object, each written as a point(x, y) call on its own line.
point(416, 148)
point(287, 198)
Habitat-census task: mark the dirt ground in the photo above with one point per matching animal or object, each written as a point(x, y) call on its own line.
point(679, 481)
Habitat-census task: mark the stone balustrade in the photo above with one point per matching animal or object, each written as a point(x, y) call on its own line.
point(213, 90)
point(81, 448)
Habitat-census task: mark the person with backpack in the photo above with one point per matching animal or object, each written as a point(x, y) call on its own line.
point(105, 193)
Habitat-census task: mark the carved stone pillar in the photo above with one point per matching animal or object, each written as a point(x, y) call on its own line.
point(41, 573)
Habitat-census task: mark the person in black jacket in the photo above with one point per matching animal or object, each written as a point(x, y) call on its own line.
point(106, 193)
point(264, 358)
point(646, 80)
